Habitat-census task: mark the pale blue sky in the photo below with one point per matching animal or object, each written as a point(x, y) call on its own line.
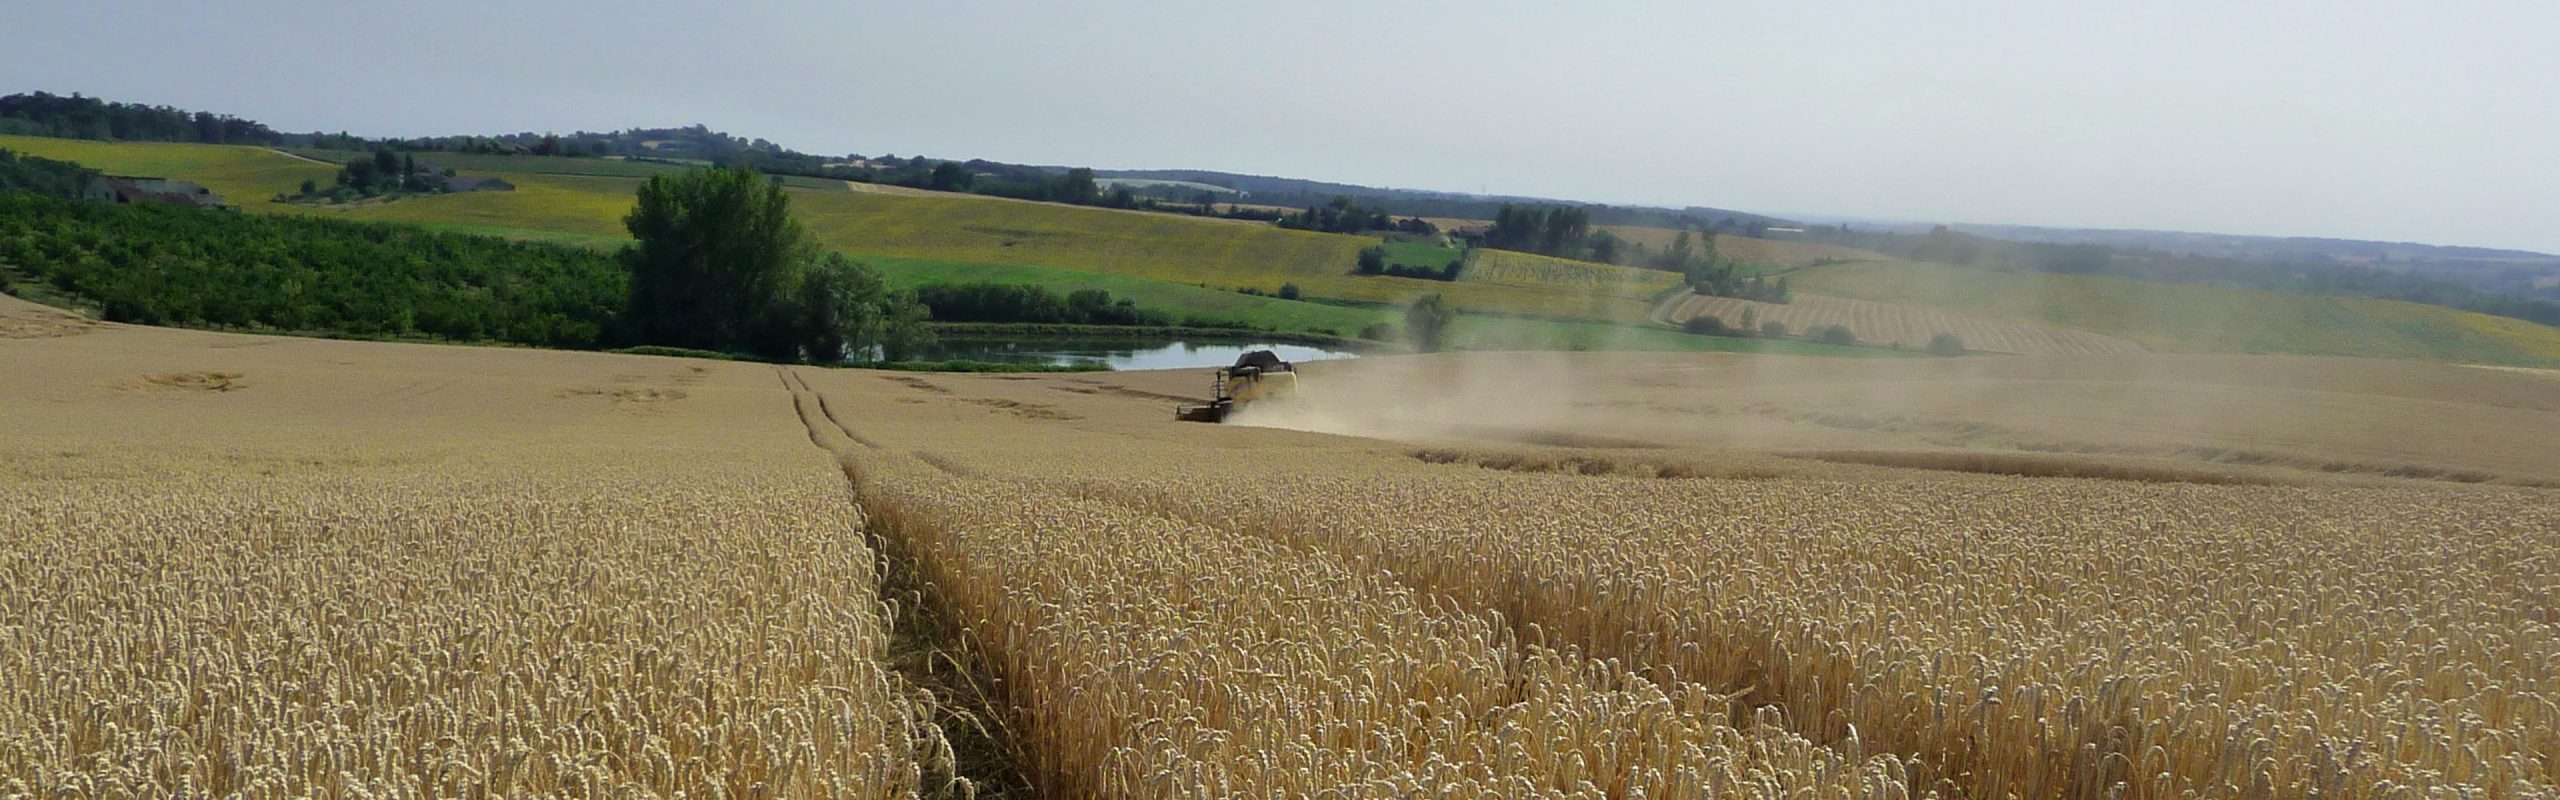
point(2435, 122)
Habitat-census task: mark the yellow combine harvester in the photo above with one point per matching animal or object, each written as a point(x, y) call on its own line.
point(1257, 376)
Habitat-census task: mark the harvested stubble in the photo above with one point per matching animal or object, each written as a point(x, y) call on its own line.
point(1142, 656)
point(532, 625)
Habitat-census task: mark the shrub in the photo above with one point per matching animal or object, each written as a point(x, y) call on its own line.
point(1946, 344)
point(1773, 329)
point(1704, 325)
point(1427, 320)
point(1373, 260)
point(1834, 334)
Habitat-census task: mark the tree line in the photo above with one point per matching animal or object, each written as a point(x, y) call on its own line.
point(77, 117)
point(1020, 302)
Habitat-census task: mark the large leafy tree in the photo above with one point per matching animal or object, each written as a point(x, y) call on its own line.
point(842, 308)
point(717, 258)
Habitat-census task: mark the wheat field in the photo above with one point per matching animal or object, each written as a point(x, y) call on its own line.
point(255, 567)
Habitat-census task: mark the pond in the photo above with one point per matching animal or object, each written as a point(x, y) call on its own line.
point(1117, 352)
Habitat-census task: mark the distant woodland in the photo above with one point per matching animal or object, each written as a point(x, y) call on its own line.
point(77, 117)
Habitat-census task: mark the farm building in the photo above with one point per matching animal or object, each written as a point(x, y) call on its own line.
point(465, 184)
point(128, 190)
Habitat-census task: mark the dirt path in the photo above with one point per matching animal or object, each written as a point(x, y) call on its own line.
point(300, 157)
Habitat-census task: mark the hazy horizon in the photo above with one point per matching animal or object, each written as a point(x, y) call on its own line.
point(2378, 121)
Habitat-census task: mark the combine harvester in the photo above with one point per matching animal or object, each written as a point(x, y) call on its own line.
point(1258, 376)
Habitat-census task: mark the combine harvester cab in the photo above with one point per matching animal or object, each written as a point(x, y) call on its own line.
point(1258, 376)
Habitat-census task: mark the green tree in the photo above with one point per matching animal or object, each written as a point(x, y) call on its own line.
point(841, 309)
point(1677, 257)
point(1077, 187)
point(1605, 247)
point(1426, 322)
point(904, 331)
point(717, 250)
point(1704, 325)
point(950, 176)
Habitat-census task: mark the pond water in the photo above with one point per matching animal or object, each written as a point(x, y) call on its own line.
point(1118, 352)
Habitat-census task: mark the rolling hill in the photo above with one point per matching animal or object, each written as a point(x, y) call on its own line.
point(2191, 318)
point(1209, 253)
point(1173, 259)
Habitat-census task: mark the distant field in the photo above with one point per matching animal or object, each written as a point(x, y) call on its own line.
point(1529, 270)
point(1412, 254)
point(1146, 183)
point(591, 206)
point(1161, 247)
point(1908, 326)
point(248, 177)
point(1747, 249)
point(2199, 319)
point(1181, 300)
point(1455, 224)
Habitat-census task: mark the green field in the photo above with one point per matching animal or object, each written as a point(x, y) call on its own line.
point(248, 177)
point(1179, 300)
point(2198, 319)
point(1416, 254)
point(1219, 254)
point(1530, 270)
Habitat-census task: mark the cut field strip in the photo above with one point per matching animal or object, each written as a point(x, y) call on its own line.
point(927, 647)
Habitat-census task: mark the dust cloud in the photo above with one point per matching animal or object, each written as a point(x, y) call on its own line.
point(2242, 416)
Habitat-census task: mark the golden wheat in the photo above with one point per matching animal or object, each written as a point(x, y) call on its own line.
point(368, 570)
point(2041, 639)
point(1142, 656)
point(566, 629)
point(363, 570)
